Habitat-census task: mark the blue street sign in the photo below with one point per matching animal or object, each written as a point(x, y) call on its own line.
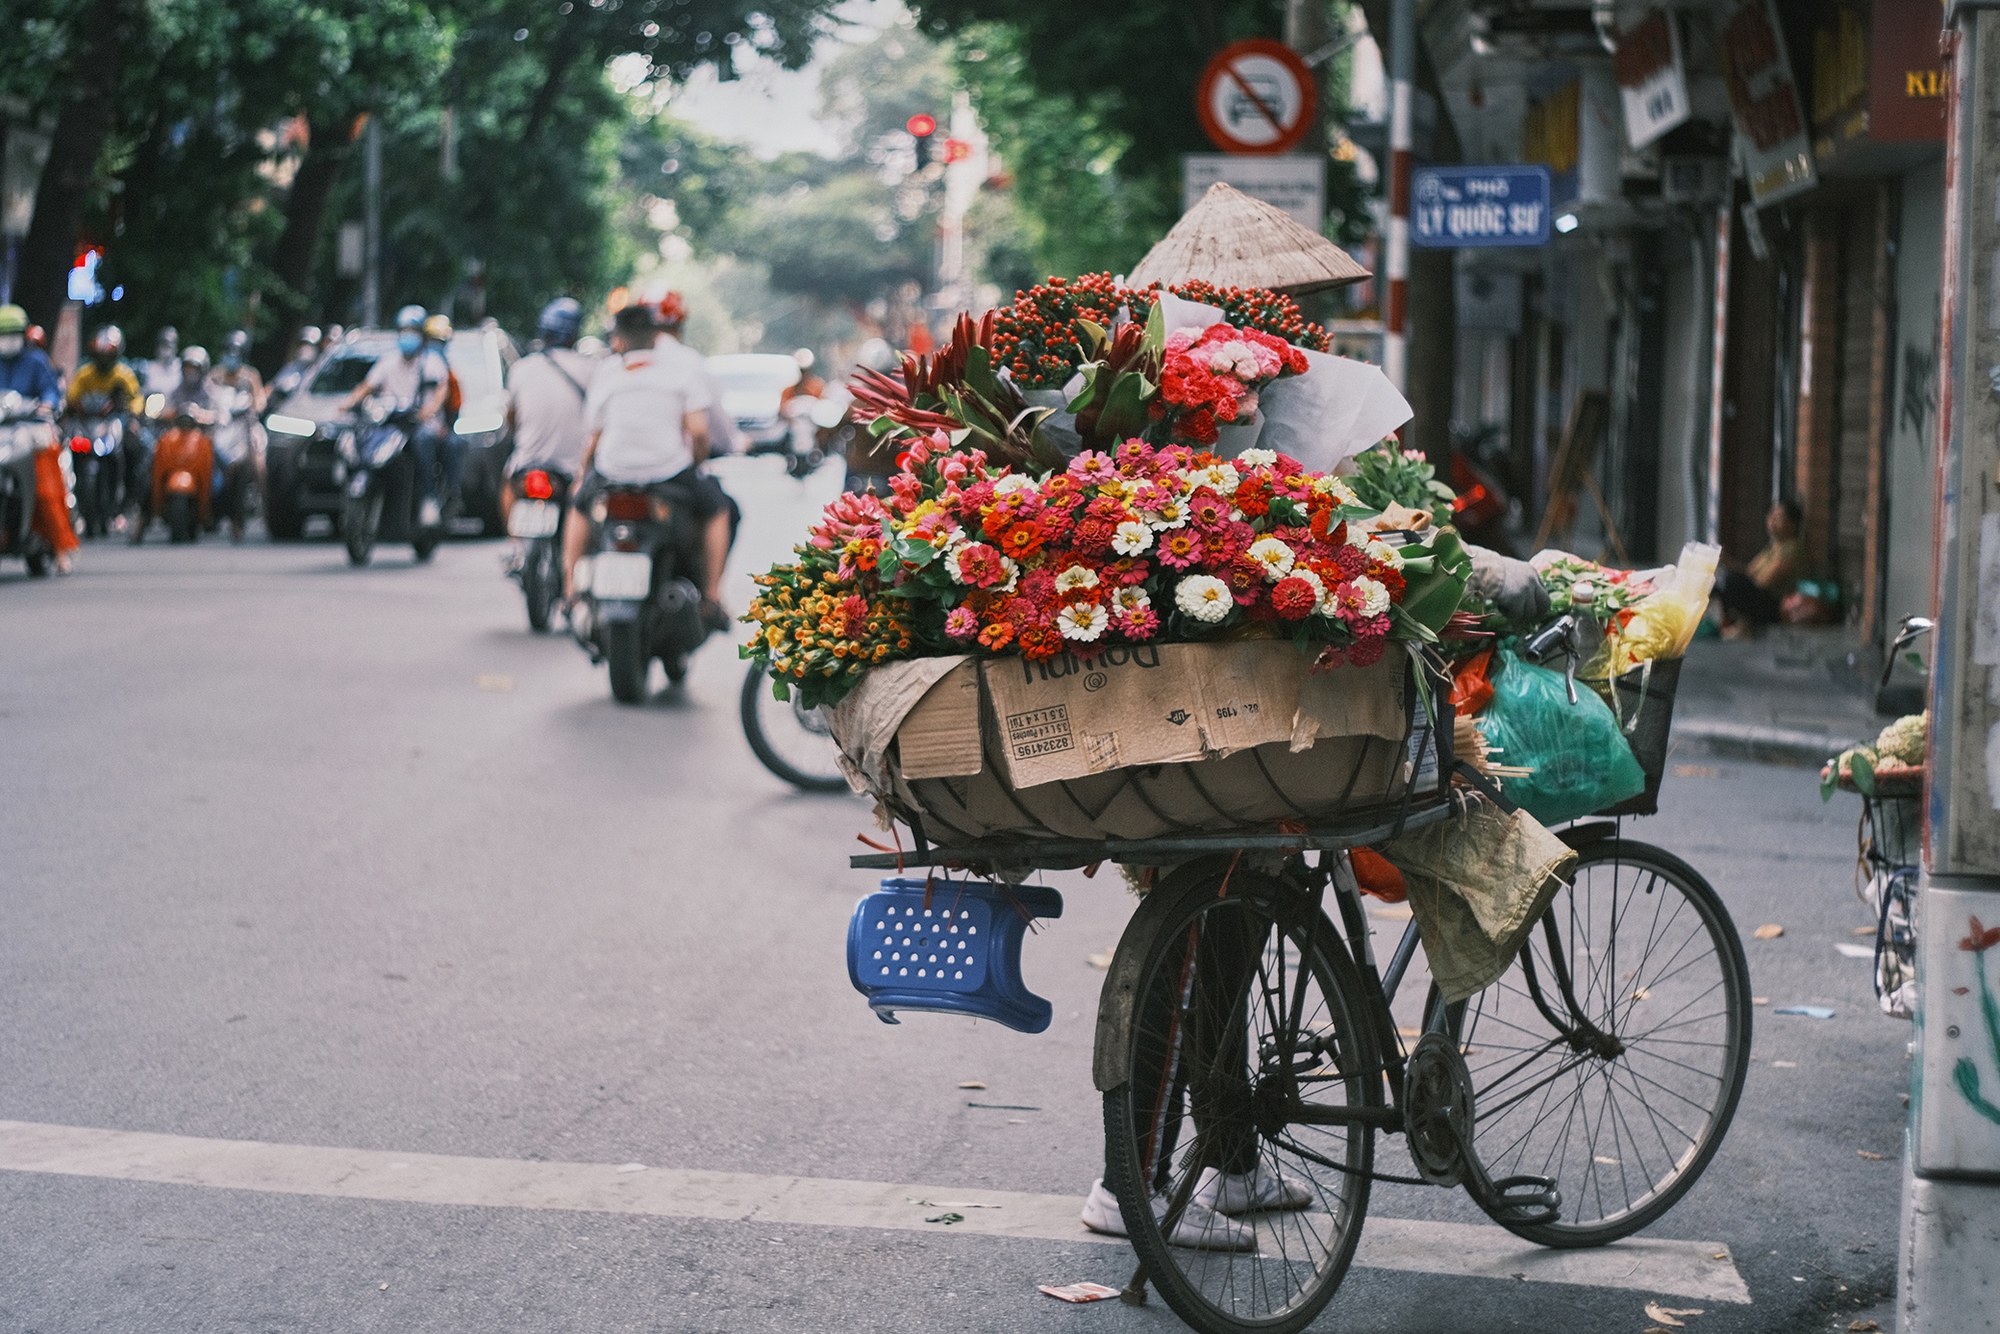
point(1464, 207)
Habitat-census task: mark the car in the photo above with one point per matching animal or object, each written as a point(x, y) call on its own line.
point(303, 474)
point(757, 389)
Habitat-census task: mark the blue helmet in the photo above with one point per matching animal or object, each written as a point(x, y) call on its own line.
point(560, 321)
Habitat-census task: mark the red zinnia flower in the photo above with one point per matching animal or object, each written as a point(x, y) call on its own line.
point(1294, 597)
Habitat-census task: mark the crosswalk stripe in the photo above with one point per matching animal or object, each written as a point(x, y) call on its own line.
point(1681, 1268)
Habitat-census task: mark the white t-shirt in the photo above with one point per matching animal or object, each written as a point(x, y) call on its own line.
point(636, 405)
point(723, 437)
point(407, 380)
point(548, 409)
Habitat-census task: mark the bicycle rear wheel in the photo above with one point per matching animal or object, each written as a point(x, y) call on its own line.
point(1248, 1022)
point(1624, 1110)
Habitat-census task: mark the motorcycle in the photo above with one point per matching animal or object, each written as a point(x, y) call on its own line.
point(378, 468)
point(536, 521)
point(183, 478)
point(96, 455)
point(638, 599)
point(233, 437)
point(23, 430)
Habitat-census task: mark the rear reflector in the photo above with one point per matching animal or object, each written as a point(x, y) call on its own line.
point(81, 444)
point(629, 505)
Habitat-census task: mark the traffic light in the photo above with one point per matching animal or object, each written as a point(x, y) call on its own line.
point(921, 127)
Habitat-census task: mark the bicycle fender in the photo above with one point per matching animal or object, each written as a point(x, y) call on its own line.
point(1580, 836)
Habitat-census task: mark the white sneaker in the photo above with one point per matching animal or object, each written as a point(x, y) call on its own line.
point(1249, 1192)
point(1200, 1228)
point(429, 515)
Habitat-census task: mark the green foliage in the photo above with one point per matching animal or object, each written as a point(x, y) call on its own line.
point(1390, 475)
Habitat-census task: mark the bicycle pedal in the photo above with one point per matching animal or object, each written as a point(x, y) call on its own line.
point(1531, 1201)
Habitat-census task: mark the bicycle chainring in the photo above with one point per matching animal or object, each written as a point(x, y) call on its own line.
point(1437, 1109)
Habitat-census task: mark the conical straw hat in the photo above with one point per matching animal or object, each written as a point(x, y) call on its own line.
point(1232, 240)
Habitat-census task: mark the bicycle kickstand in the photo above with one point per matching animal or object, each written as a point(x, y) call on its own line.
point(1135, 1291)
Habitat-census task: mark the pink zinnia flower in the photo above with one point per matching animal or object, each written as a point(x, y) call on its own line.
point(960, 623)
point(1092, 466)
point(980, 565)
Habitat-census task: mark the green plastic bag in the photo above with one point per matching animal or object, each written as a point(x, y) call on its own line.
point(1581, 763)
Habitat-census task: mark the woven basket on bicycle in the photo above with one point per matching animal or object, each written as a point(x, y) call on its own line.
point(1139, 743)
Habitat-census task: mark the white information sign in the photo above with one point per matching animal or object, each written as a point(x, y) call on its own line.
point(1295, 183)
point(1652, 78)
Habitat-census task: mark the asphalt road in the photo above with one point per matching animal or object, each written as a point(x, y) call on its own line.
point(302, 855)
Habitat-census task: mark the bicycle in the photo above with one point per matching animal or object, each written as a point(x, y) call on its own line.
point(1246, 1050)
point(789, 739)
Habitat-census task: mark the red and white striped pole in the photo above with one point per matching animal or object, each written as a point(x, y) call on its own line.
point(1402, 88)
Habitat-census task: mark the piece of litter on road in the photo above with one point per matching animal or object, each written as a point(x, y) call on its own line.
point(1101, 959)
point(971, 1084)
point(1863, 1327)
point(1768, 931)
point(1665, 1314)
point(1871, 1157)
point(1696, 771)
point(1002, 1107)
point(1785, 1065)
point(1608, 1162)
point(1720, 1255)
point(1760, 1000)
point(1805, 1011)
point(1642, 993)
point(1080, 1292)
point(631, 1167)
point(1853, 951)
point(498, 685)
point(950, 1204)
point(946, 1219)
point(1016, 1121)
point(385, 1287)
point(1862, 931)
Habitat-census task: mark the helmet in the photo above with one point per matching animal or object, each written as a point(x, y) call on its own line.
point(237, 344)
point(309, 336)
point(438, 328)
point(169, 342)
point(38, 337)
point(410, 317)
point(196, 357)
point(13, 320)
point(560, 322)
point(108, 344)
point(673, 311)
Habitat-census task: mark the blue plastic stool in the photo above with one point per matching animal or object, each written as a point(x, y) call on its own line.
point(960, 955)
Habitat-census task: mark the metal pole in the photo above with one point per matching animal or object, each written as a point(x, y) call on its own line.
point(1718, 348)
point(371, 271)
point(1402, 88)
point(1951, 1175)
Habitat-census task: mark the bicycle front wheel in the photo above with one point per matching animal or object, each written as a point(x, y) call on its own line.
point(1611, 1056)
point(1241, 1194)
point(790, 740)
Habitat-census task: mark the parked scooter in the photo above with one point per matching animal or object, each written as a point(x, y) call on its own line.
point(97, 460)
point(536, 521)
point(379, 469)
point(23, 430)
point(638, 589)
point(183, 478)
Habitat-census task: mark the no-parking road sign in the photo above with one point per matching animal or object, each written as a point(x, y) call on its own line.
point(1256, 96)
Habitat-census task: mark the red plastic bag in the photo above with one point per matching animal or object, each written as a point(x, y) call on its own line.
point(1470, 690)
point(1374, 873)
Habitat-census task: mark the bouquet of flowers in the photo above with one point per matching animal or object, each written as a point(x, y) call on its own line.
point(1145, 542)
point(1212, 376)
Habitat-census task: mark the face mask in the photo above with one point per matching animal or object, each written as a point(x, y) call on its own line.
point(104, 361)
point(408, 342)
point(11, 344)
point(230, 361)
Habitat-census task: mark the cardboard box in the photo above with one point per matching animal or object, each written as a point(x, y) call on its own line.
point(1139, 743)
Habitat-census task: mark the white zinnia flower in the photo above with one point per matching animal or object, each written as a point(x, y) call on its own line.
point(1082, 621)
point(1013, 569)
point(1378, 550)
point(1076, 576)
point(1132, 599)
point(1131, 538)
point(1257, 458)
point(1204, 597)
point(1173, 514)
point(1218, 475)
point(1375, 593)
point(1336, 490)
point(1274, 556)
point(1012, 482)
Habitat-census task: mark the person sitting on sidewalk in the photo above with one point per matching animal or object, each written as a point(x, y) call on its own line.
point(1752, 595)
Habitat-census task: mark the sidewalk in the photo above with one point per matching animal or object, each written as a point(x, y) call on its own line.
point(1790, 696)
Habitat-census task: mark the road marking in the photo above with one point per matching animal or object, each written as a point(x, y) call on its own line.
point(1682, 1268)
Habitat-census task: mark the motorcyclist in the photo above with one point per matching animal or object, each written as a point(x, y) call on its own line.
point(162, 374)
point(103, 386)
point(723, 436)
point(437, 340)
point(190, 398)
point(26, 371)
point(415, 377)
point(647, 422)
point(545, 395)
point(233, 375)
point(304, 357)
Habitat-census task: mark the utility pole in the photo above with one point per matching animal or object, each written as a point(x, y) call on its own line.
point(371, 272)
point(1951, 1175)
point(1402, 116)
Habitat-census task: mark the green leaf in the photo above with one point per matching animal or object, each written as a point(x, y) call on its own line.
point(979, 374)
point(1156, 329)
point(1830, 784)
point(1125, 407)
point(1096, 334)
point(1863, 770)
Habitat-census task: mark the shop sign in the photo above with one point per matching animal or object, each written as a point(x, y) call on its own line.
point(1764, 101)
point(1457, 208)
point(1294, 182)
point(1652, 78)
point(1906, 75)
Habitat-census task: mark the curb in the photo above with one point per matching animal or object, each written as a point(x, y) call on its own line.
point(1765, 745)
